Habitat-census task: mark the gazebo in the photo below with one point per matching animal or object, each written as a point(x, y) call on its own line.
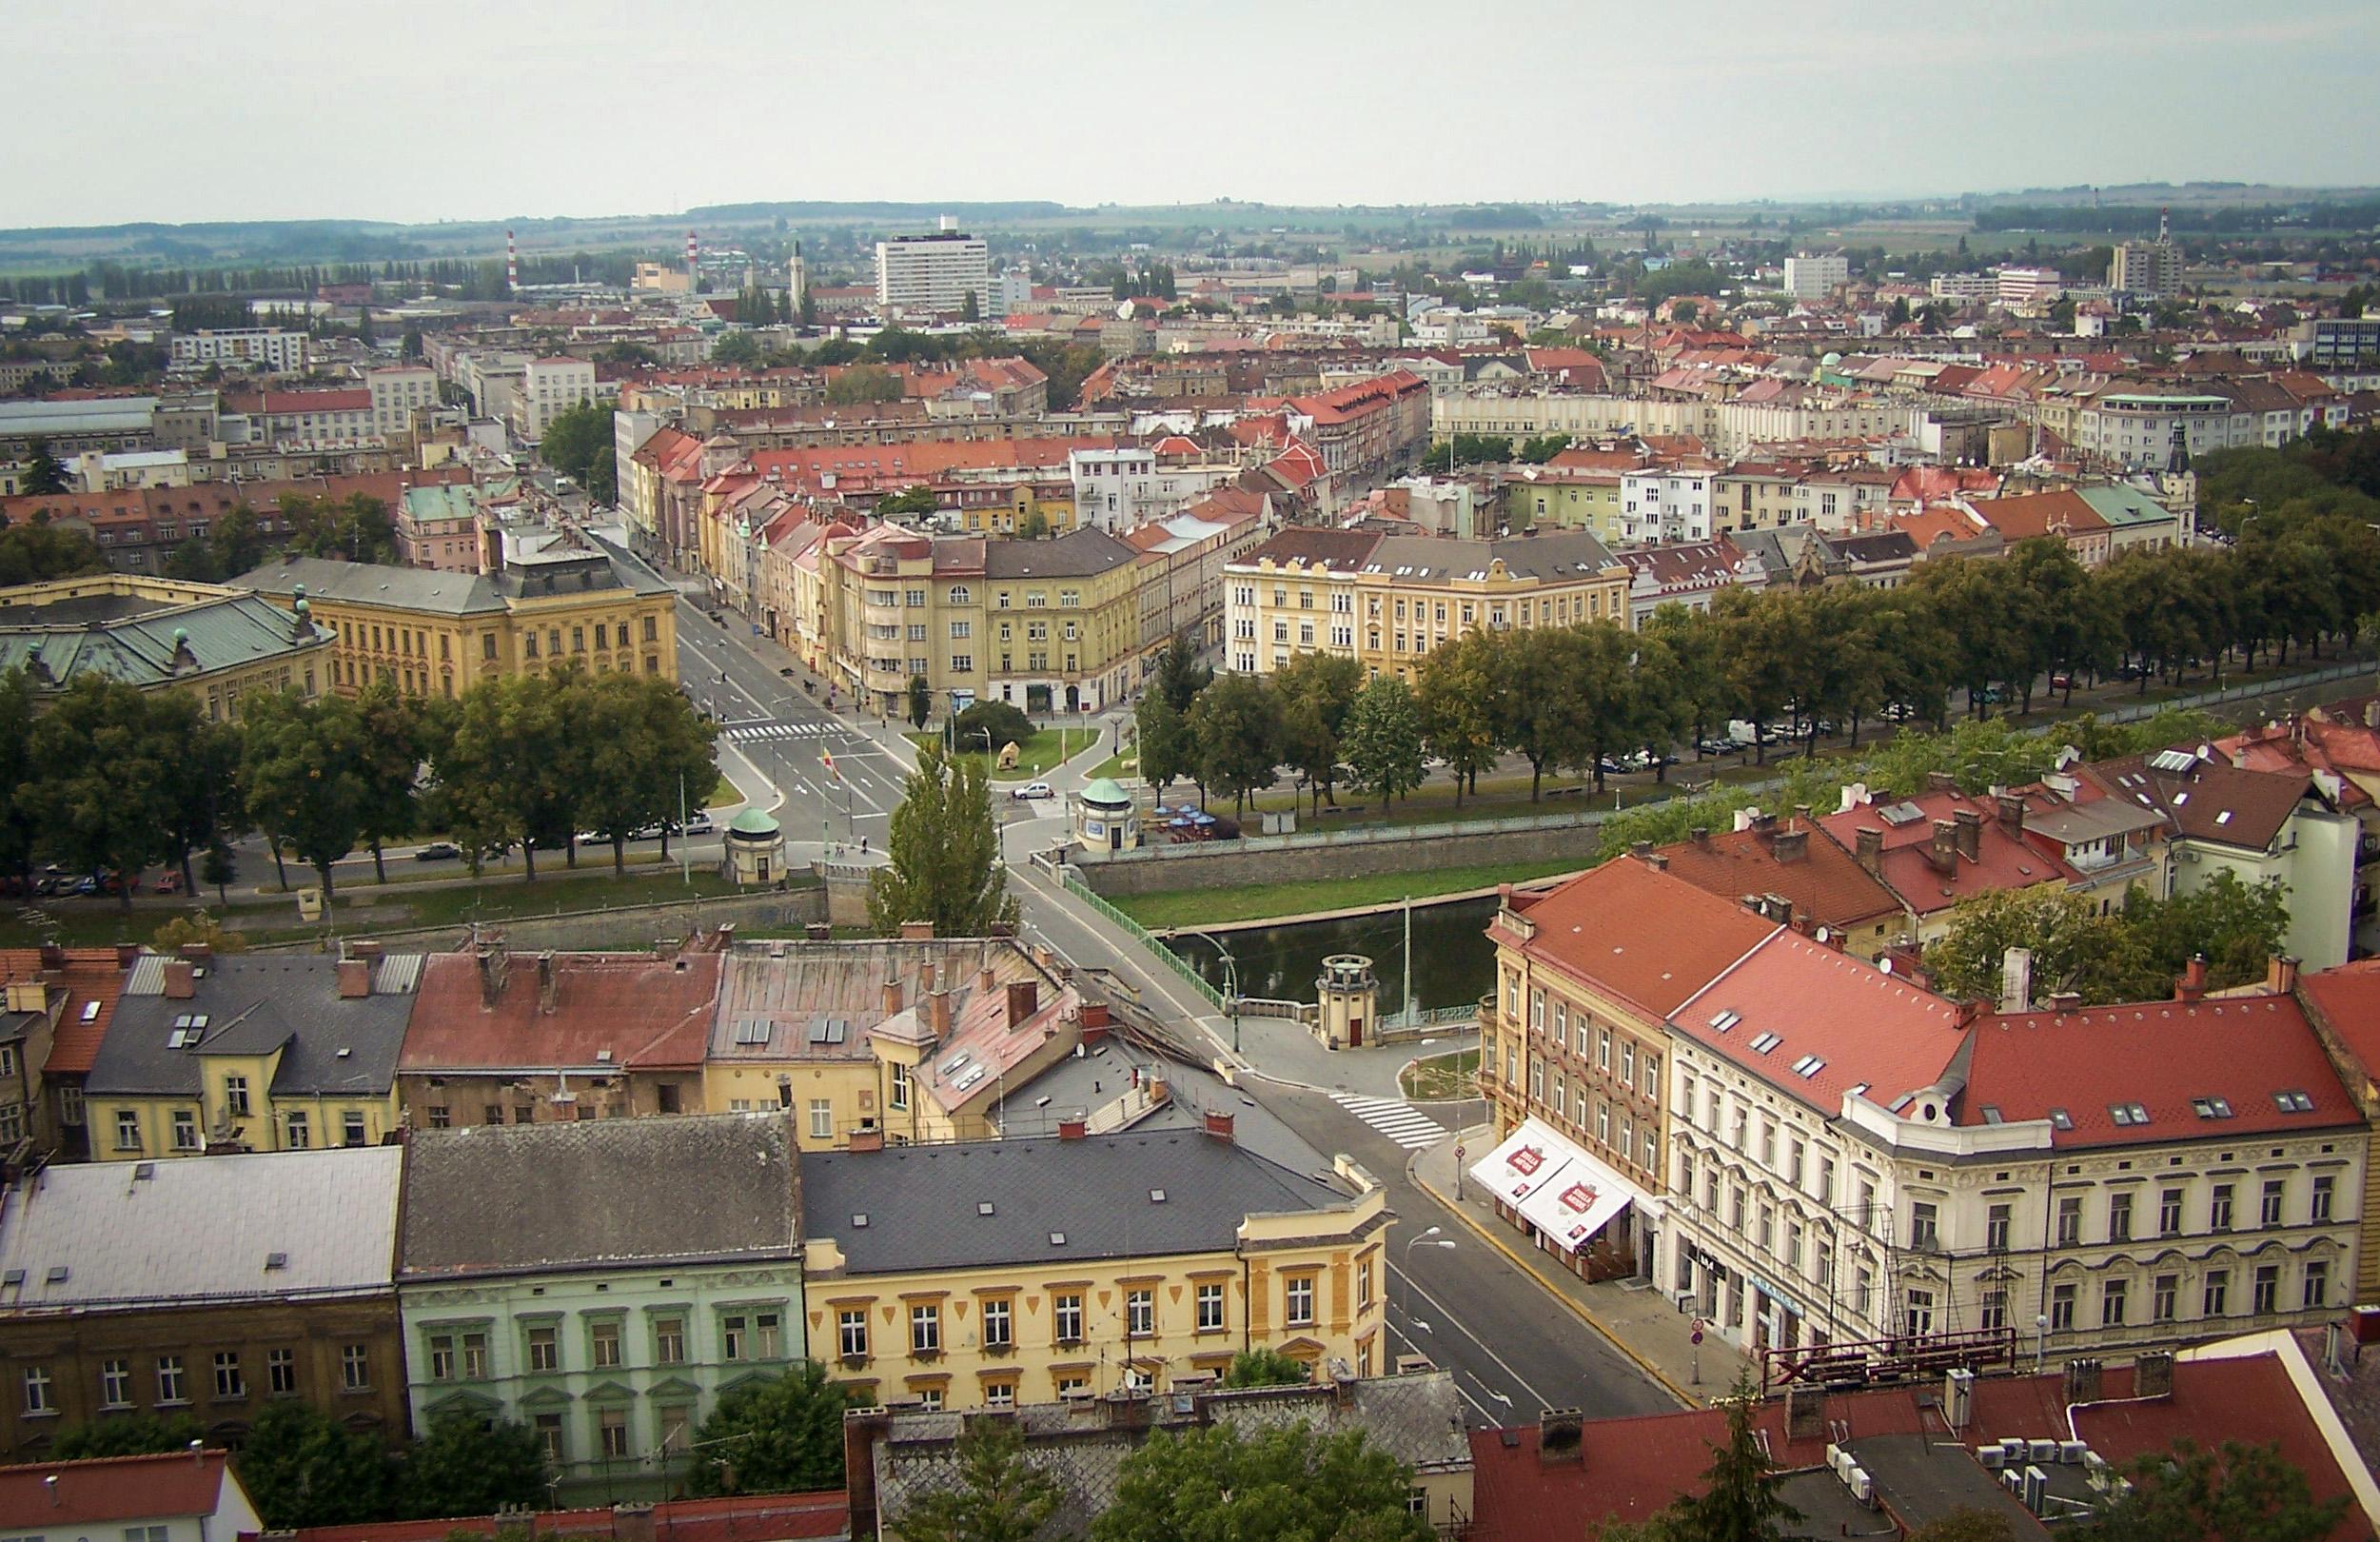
point(1105, 819)
point(756, 848)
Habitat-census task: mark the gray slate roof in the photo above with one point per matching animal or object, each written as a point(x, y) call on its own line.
point(205, 1227)
point(923, 1202)
point(1076, 554)
point(594, 1194)
point(123, 638)
point(374, 583)
point(332, 1047)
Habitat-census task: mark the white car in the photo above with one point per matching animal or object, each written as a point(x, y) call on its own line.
point(1034, 789)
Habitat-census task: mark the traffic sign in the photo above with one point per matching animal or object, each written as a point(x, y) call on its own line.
point(1698, 1336)
point(1458, 1153)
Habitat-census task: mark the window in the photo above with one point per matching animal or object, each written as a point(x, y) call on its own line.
point(170, 1383)
point(1919, 1312)
point(1992, 1312)
point(37, 1389)
point(2170, 1213)
point(899, 1096)
point(1300, 1309)
point(440, 1117)
point(604, 1344)
point(184, 1129)
point(2068, 1222)
point(669, 1340)
point(925, 1330)
point(2219, 1209)
point(2119, 1217)
point(2162, 1293)
point(676, 1426)
point(546, 1349)
point(1603, 1049)
point(1067, 1316)
point(1000, 1323)
point(235, 1094)
point(611, 1424)
point(2267, 1289)
point(1924, 1227)
point(549, 1435)
point(351, 1128)
point(2319, 1208)
point(764, 1334)
point(1211, 1307)
point(1995, 1229)
point(116, 1384)
point(1140, 1314)
point(2062, 1308)
point(281, 1371)
point(2113, 1294)
point(733, 1341)
point(443, 1358)
point(127, 1130)
point(229, 1382)
point(301, 1131)
point(2268, 1208)
point(2215, 1300)
point(821, 1118)
point(2317, 1282)
point(850, 1333)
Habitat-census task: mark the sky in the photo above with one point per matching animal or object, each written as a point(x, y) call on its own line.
point(168, 110)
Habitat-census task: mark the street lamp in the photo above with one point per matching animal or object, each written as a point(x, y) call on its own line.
point(1411, 1244)
point(1232, 990)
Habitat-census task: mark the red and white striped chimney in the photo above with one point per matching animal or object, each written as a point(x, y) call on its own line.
point(691, 256)
point(512, 264)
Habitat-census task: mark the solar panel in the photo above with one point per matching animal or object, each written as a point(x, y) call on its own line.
point(2173, 761)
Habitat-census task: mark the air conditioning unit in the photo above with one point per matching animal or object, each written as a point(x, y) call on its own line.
point(2071, 1452)
point(2013, 1447)
point(1835, 1458)
point(2036, 1489)
point(2044, 1450)
point(2097, 1471)
point(1862, 1487)
point(1992, 1457)
point(2013, 1480)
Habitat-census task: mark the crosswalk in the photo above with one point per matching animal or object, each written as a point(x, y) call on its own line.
point(1401, 1122)
point(746, 733)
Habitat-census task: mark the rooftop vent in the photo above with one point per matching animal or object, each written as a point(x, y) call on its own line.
point(983, 1207)
point(57, 1274)
point(1156, 1197)
point(860, 1220)
point(276, 1260)
point(1057, 1239)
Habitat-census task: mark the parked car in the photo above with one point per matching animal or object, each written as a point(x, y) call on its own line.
point(83, 887)
point(439, 851)
point(1717, 746)
point(170, 881)
point(1034, 789)
point(700, 824)
point(2061, 681)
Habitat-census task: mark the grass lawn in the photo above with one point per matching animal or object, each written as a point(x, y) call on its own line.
point(1440, 1077)
point(1255, 901)
point(726, 792)
point(1035, 756)
point(1123, 763)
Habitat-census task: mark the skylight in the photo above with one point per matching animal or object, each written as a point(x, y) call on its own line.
point(1057, 1239)
point(1765, 1042)
point(2294, 1102)
point(1807, 1066)
point(2128, 1115)
point(2060, 1119)
point(2211, 1108)
point(1992, 1113)
point(1723, 1020)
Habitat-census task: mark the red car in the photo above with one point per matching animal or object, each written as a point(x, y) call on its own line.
point(170, 881)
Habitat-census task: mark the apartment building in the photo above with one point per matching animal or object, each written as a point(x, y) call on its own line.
point(398, 392)
point(208, 1289)
point(240, 347)
point(602, 1282)
point(1669, 502)
point(550, 386)
point(939, 274)
point(2143, 428)
point(1117, 491)
point(297, 418)
point(1810, 277)
point(2149, 269)
point(988, 1274)
point(1387, 601)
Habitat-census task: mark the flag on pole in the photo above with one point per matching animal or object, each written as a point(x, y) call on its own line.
point(826, 758)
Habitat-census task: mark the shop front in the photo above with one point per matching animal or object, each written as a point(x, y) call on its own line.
point(1570, 1203)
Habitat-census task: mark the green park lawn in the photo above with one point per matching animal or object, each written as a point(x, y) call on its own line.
point(1035, 756)
point(1441, 1076)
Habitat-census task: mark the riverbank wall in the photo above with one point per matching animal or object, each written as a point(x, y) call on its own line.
point(1302, 857)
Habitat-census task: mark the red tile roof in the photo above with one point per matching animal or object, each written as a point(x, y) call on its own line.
point(739, 1518)
point(2002, 859)
point(109, 1489)
point(2160, 1056)
point(2063, 513)
point(645, 1011)
point(89, 974)
point(2212, 799)
point(1824, 881)
point(1627, 930)
point(2347, 1001)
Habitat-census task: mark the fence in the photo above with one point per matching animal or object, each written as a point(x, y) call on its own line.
point(1180, 965)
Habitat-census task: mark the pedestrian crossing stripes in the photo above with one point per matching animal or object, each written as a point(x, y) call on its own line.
point(1399, 1123)
point(778, 730)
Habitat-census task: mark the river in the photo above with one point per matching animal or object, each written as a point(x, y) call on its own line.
point(1453, 963)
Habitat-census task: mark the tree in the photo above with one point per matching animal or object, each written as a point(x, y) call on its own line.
point(390, 767)
point(1179, 675)
point(43, 474)
point(356, 528)
point(304, 776)
point(102, 797)
point(917, 498)
point(468, 1465)
point(1162, 740)
point(1280, 1483)
point(920, 700)
point(1965, 1524)
point(1739, 1501)
point(577, 443)
point(303, 1470)
point(2073, 947)
point(220, 869)
point(504, 770)
point(1235, 729)
point(1456, 692)
point(127, 1434)
point(21, 825)
point(1034, 525)
point(1313, 691)
point(35, 552)
point(1382, 738)
point(1000, 1496)
point(865, 383)
point(1698, 676)
point(1265, 1365)
point(198, 926)
point(990, 725)
point(780, 1436)
point(2237, 1493)
point(944, 847)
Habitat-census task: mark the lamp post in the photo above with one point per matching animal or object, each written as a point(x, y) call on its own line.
point(1407, 1270)
point(1231, 986)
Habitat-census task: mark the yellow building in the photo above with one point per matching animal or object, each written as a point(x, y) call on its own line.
point(986, 1274)
point(1573, 497)
point(238, 1053)
point(1387, 601)
point(1755, 495)
point(546, 598)
point(217, 643)
point(1005, 510)
point(1049, 626)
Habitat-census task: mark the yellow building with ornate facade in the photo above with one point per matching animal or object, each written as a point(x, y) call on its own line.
point(215, 642)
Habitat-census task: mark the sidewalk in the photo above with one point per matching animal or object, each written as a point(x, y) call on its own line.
point(1642, 1324)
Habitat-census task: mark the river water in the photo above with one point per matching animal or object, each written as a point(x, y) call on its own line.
point(1453, 963)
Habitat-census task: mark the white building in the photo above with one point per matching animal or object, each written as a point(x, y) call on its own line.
point(2141, 428)
point(175, 1497)
point(1964, 289)
point(1666, 503)
point(548, 387)
point(2028, 286)
point(1815, 278)
point(2147, 267)
point(933, 275)
point(241, 348)
point(1122, 489)
point(397, 392)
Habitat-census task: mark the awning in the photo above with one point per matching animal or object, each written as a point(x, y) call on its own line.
point(1561, 1190)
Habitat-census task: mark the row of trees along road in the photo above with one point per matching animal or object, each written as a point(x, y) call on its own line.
point(106, 779)
point(1581, 697)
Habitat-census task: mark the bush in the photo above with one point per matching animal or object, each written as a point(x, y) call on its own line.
point(1006, 726)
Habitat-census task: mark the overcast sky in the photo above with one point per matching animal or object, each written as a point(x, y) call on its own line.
point(165, 109)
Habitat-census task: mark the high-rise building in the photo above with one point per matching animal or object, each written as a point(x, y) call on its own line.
point(1815, 278)
point(2150, 267)
point(933, 275)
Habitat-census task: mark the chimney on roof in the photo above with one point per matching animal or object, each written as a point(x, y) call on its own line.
point(355, 978)
point(1701, 835)
point(547, 984)
point(52, 956)
point(1560, 1436)
point(2011, 811)
point(2280, 974)
point(180, 979)
point(2064, 1001)
point(2153, 1375)
point(1805, 1413)
point(1073, 1129)
point(892, 999)
point(864, 1140)
point(2082, 1380)
point(2192, 986)
point(1024, 1000)
point(1970, 823)
point(1791, 845)
point(1641, 850)
point(495, 971)
point(1219, 1127)
point(1871, 850)
point(1940, 781)
point(1943, 851)
point(916, 931)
